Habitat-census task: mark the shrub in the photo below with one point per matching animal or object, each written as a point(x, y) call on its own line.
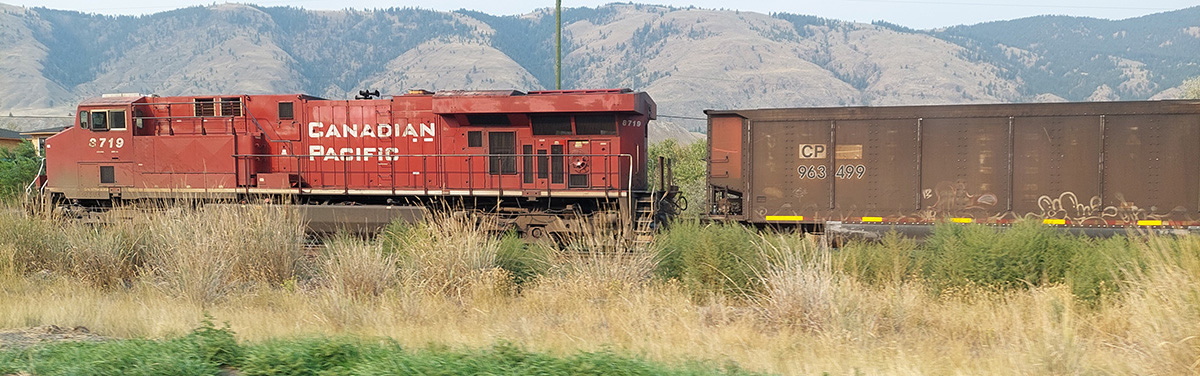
point(710, 259)
point(524, 262)
point(893, 259)
point(1028, 254)
point(215, 345)
point(18, 167)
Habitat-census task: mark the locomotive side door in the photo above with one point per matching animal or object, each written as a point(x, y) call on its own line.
point(551, 164)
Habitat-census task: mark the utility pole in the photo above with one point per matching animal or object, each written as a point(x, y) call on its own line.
point(558, 45)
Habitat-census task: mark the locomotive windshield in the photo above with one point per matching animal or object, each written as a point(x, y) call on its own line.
point(102, 120)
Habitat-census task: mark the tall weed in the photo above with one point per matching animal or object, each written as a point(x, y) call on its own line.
point(799, 285)
point(448, 254)
point(710, 258)
point(357, 267)
point(203, 253)
point(1028, 254)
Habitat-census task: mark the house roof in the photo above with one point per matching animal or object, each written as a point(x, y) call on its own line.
point(45, 131)
point(11, 135)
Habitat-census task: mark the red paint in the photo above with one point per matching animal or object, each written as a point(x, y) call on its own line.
point(394, 146)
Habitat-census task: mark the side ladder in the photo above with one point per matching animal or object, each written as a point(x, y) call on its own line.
point(643, 220)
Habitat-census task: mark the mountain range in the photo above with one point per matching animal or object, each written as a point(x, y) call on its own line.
point(688, 59)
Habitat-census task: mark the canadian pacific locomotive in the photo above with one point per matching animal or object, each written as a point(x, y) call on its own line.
point(543, 161)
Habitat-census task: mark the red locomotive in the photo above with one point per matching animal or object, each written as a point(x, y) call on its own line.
point(538, 160)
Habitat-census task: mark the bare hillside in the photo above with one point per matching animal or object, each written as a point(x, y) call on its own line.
point(688, 59)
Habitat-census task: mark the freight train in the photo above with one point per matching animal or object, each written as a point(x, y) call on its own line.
point(550, 163)
point(546, 163)
point(1100, 167)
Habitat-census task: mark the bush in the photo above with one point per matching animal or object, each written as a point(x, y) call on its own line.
point(215, 345)
point(711, 259)
point(524, 262)
point(18, 167)
point(688, 165)
point(893, 260)
point(1028, 254)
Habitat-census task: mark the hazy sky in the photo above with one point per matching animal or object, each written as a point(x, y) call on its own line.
point(921, 14)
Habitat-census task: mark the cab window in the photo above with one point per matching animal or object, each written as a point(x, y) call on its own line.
point(596, 125)
point(102, 120)
point(99, 121)
point(116, 120)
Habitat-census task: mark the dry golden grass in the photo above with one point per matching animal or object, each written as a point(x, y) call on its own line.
point(437, 283)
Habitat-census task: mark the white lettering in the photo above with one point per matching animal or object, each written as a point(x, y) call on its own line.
point(385, 131)
point(350, 130)
point(368, 131)
point(427, 130)
point(409, 131)
point(330, 155)
point(315, 150)
point(314, 129)
point(332, 132)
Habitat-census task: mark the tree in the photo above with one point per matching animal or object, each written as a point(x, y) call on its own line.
point(1191, 88)
point(18, 167)
point(688, 164)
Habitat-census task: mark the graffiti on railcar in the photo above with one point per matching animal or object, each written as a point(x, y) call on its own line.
point(954, 199)
point(1068, 206)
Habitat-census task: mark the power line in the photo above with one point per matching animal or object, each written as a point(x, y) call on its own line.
point(682, 117)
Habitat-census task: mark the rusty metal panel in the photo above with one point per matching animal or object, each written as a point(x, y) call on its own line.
point(725, 146)
point(1150, 164)
point(875, 172)
point(1055, 173)
point(789, 168)
point(965, 167)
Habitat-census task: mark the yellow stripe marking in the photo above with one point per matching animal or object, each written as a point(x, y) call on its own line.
point(872, 219)
point(962, 220)
point(1054, 221)
point(785, 217)
point(1149, 223)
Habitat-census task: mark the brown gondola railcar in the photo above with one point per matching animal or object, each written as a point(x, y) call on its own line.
point(1090, 167)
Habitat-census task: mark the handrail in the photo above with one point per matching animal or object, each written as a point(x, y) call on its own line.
point(245, 113)
point(38, 176)
point(347, 158)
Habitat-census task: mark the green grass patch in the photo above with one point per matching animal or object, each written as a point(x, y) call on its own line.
point(209, 350)
point(719, 258)
point(1027, 254)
